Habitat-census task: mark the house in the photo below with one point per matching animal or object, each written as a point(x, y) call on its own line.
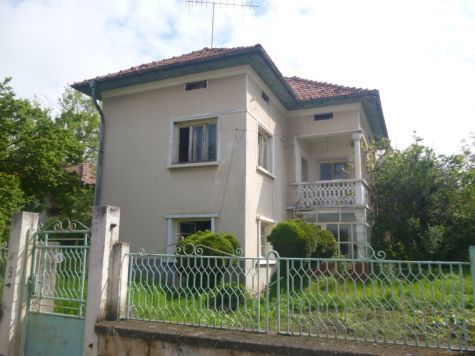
point(219, 139)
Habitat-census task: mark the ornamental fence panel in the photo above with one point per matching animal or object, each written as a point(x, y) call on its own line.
point(59, 269)
point(426, 304)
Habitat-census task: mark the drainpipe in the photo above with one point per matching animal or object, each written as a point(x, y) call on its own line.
point(100, 157)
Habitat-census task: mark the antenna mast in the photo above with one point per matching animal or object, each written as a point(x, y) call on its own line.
point(224, 3)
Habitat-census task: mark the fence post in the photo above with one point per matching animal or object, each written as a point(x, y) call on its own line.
point(118, 278)
point(472, 268)
point(105, 233)
point(15, 290)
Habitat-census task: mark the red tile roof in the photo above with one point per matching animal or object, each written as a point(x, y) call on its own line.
point(305, 89)
point(85, 171)
point(201, 55)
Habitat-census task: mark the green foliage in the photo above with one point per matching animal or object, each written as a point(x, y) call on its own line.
point(425, 203)
point(212, 243)
point(229, 296)
point(327, 246)
point(34, 151)
point(294, 238)
point(201, 273)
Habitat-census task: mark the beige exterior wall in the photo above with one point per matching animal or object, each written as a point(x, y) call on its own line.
point(139, 178)
point(265, 191)
point(136, 174)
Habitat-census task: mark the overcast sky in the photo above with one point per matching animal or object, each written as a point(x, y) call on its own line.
point(419, 54)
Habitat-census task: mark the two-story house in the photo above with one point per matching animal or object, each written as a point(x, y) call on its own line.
point(219, 139)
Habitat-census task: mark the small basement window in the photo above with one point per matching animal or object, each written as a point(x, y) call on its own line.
point(321, 117)
point(196, 85)
point(265, 97)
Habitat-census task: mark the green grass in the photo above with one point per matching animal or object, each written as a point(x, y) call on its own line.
point(425, 312)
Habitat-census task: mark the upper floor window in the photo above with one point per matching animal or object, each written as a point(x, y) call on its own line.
point(264, 142)
point(334, 170)
point(196, 141)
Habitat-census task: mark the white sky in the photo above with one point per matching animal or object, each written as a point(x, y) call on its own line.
point(419, 54)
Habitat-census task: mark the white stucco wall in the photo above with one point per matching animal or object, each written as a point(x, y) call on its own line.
point(136, 174)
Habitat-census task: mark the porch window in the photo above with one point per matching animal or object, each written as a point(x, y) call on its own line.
point(196, 141)
point(334, 170)
point(264, 140)
point(265, 229)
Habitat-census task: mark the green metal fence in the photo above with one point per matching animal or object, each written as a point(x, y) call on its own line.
point(59, 269)
point(414, 303)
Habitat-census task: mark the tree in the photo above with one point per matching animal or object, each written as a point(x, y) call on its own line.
point(34, 151)
point(424, 203)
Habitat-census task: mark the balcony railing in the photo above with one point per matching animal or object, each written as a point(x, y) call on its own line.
point(332, 193)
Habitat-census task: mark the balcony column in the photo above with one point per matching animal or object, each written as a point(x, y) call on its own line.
point(359, 189)
point(357, 146)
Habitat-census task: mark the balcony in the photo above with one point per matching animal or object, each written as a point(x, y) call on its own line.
point(332, 193)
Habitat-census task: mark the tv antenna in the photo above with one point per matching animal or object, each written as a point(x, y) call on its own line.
point(223, 3)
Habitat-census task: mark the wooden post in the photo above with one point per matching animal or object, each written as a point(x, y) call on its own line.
point(15, 289)
point(105, 233)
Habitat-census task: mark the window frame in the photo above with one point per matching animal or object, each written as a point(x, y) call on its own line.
point(269, 150)
point(192, 123)
point(268, 246)
point(333, 169)
point(173, 221)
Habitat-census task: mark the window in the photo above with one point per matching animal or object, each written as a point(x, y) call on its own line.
point(187, 228)
point(196, 85)
point(265, 97)
point(304, 173)
point(196, 141)
point(264, 141)
point(265, 229)
point(334, 170)
point(322, 117)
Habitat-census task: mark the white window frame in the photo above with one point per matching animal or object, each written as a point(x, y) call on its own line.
point(268, 168)
point(174, 219)
point(270, 222)
point(333, 162)
point(174, 141)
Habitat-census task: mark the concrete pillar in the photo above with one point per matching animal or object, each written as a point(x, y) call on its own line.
point(118, 277)
point(105, 233)
point(357, 147)
point(15, 289)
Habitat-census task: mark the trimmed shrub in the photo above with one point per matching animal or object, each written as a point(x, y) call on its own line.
point(327, 246)
point(294, 238)
point(211, 243)
point(196, 271)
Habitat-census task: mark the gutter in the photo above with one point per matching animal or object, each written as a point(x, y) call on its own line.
point(100, 157)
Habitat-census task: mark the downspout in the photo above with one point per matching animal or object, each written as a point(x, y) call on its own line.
point(100, 157)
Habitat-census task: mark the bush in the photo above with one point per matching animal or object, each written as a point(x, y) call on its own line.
point(294, 238)
point(327, 246)
point(211, 243)
point(198, 272)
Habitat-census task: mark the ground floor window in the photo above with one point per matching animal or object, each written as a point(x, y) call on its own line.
point(265, 227)
point(182, 226)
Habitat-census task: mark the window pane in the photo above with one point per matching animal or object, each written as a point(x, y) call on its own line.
point(212, 138)
point(325, 171)
point(184, 139)
point(197, 150)
point(340, 171)
point(262, 142)
point(304, 175)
